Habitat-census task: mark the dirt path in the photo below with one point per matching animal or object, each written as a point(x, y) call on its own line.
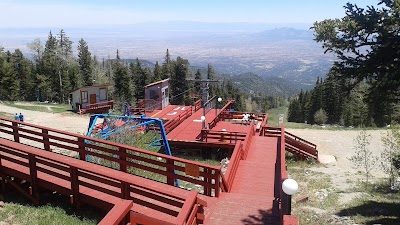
point(62, 121)
point(340, 144)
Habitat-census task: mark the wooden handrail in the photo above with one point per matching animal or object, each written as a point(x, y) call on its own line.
point(233, 165)
point(297, 138)
point(87, 177)
point(171, 124)
point(219, 115)
point(263, 125)
point(115, 152)
point(117, 213)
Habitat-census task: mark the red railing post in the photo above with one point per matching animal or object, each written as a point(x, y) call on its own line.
point(15, 131)
point(46, 141)
point(34, 189)
point(82, 149)
point(170, 172)
point(122, 166)
point(217, 176)
point(125, 191)
point(74, 186)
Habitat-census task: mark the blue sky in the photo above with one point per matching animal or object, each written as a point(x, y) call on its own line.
point(81, 13)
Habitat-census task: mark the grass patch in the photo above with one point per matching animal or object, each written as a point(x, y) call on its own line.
point(379, 205)
point(40, 107)
point(7, 115)
point(56, 210)
point(317, 187)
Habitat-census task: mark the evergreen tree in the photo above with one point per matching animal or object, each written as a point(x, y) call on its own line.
point(197, 85)
point(179, 84)
point(24, 76)
point(211, 76)
point(85, 62)
point(157, 72)
point(122, 83)
point(166, 67)
point(140, 77)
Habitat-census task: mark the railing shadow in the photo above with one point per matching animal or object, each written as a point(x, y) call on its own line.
point(373, 209)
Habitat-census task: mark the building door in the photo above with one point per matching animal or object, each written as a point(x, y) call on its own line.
point(92, 98)
point(165, 97)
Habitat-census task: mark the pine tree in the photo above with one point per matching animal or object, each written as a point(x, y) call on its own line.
point(211, 76)
point(140, 77)
point(179, 84)
point(197, 85)
point(122, 83)
point(166, 67)
point(24, 75)
point(157, 72)
point(85, 62)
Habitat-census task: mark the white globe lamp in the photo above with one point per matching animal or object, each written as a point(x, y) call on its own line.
point(290, 186)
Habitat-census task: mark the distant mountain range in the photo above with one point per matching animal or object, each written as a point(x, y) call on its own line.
point(273, 52)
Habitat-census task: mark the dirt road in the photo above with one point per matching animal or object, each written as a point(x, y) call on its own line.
point(62, 121)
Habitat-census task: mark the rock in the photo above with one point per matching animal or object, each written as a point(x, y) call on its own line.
point(321, 194)
point(4, 223)
point(314, 210)
point(2, 204)
point(340, 220)
point(10, 218)
point(301, 198)
point(327, 159)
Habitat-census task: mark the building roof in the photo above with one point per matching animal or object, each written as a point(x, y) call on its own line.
point(94, 86)
point(158, 82)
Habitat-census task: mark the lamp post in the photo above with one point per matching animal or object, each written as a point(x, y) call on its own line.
point(216, 107)
point(290, 187)
point(203, 121)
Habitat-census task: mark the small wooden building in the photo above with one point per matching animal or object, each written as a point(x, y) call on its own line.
point(91, 99)
point(157, 94)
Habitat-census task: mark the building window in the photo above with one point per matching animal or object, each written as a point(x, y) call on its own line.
point(154, 95)
point(84, 97)
point(103, 94)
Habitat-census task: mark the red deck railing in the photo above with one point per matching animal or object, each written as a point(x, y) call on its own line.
point(222, 136)
point(197, 105)
point(171, 124)
point(220, 115)
point(99, 186)
point(98, 107)
point(239, 153)
point(117, 156)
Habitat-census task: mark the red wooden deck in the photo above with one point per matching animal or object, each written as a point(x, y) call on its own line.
point(168, 113)
point(249, 193)
point(189, 129)
point(251, 200)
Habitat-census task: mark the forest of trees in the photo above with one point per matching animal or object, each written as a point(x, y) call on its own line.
point(54, 71)
point(363, 86)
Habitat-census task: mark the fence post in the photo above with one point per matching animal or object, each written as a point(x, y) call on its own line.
point(34, 189)
point(3, 182)
point(15, 131)
point(74, 186)
point(125, 192)
point(217, 181)
point(46, 141)
point(170, 172)
point(82, 149)
point(122, 166)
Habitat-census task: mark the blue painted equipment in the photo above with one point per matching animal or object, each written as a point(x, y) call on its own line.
point(123, 123)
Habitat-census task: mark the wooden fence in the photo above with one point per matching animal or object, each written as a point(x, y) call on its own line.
point(102, 187)
point(114, 155)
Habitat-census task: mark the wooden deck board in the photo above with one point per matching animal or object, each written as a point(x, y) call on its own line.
point(251, 198)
